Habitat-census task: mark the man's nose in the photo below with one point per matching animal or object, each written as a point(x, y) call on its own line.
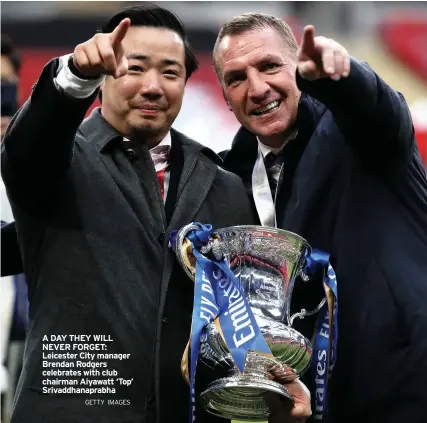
point(258, 88)
point(151, 86)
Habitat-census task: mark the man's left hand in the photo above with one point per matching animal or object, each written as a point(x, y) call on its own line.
point(320, 57)
point(283, 411)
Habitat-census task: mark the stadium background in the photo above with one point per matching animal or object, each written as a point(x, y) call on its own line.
point(390, 36)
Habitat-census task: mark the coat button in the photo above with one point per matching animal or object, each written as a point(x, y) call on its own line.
point(131, 154)
point(165, 320)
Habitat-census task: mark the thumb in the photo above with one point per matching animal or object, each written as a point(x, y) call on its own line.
point(307, 68)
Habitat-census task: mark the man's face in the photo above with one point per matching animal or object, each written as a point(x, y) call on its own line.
point(258, 78)
point(8, 72)
point(8, 75)
point(148, 98)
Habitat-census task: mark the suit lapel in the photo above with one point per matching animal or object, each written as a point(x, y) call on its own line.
point(241, 160)
point(198, 174)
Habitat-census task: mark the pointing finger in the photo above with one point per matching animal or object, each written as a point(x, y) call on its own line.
point(107, 55)
point(119, 32)
point(307, 45)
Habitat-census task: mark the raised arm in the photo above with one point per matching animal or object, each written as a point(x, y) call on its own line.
point(373, 116)
point(38, 147)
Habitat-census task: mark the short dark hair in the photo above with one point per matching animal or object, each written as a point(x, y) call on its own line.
point(255, 22)
point(9, 50)
point(151, 15)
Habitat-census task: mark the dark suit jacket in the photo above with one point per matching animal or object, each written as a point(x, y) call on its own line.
point(353, 185)
point(93, 232)
point(11, 262)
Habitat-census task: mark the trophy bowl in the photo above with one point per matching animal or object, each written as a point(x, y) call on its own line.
point(266, 262)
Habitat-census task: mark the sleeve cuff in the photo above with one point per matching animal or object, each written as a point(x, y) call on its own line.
point(71, 84)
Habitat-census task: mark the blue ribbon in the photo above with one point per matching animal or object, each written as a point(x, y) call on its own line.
point(324, 348)
point(217, 292)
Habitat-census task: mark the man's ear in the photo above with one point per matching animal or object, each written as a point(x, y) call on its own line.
point(226, 101)
point(101, 89)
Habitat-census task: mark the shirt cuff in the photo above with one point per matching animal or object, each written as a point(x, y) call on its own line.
point(73, 85)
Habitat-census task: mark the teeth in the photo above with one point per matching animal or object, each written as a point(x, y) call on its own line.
point(266, 108)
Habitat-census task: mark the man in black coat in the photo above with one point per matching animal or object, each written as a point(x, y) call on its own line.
point(94, 205)
point(327, 150)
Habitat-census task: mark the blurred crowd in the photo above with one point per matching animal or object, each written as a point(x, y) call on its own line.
point(13, 299)
point(391, 50)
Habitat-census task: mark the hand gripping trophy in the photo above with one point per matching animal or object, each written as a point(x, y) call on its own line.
point(244, 278)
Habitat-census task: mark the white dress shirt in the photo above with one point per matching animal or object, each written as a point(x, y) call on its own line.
point(261, 190)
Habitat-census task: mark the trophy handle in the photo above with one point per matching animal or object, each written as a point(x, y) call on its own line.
point(185, 371)
point(304, 313)
point(183, 248)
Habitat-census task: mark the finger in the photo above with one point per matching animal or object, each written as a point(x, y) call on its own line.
point(281, 373)
point(79, 57)
point(119, 32)
point(307, 45)
point(339, 65)
point(93, 56)
point(107, 54)
point(347, 62)
point(328, 61)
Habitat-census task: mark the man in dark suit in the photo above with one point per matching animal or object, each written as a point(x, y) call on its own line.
point(94, 204)
point(327, 150)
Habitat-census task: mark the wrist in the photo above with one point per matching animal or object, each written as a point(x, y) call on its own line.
point(76, 71)
point(77, 86)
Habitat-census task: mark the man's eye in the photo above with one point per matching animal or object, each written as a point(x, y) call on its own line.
point(171, 72)
point(234, 80)
point(135, 68)
point(269, 66)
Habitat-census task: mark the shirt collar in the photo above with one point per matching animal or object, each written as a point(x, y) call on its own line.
point(266, 149)
point(166, 141)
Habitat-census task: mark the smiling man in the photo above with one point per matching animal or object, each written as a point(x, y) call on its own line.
point(327, 150)
point(94, 204)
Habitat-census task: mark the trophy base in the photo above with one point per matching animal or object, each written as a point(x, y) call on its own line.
point(241, 397)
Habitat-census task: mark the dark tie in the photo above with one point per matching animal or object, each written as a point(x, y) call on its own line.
point(273, 165)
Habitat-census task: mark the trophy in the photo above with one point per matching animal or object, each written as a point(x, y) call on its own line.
point(266, 262)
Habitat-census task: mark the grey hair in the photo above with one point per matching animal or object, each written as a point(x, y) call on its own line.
point(255, 22)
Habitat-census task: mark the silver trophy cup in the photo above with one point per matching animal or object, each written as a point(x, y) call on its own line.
point(266, 262)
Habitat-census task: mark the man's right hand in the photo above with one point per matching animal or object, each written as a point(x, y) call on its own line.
point(103, 54)
point(283, 410)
